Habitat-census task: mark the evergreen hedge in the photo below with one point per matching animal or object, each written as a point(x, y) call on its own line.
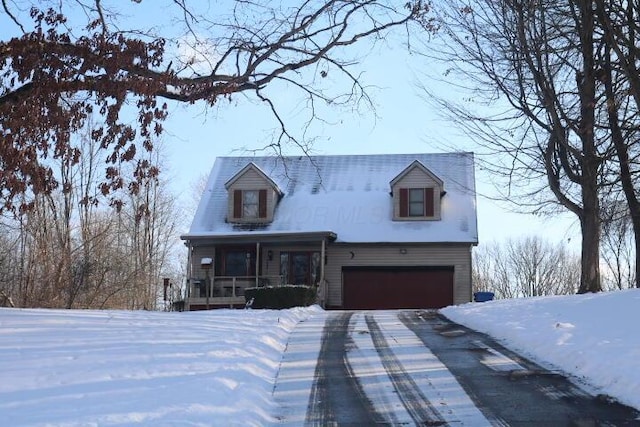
point(278, 297)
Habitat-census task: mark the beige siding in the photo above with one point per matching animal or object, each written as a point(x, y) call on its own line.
point(416, 178)
point(252, 180)
point(196, 256)
point(458, 256)
point(339, 255)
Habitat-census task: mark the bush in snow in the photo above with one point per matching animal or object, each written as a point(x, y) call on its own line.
point(281, 296)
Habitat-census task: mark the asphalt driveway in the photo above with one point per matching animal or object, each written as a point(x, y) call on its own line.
point(417, 368)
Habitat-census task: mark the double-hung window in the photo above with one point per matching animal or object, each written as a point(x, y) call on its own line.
point(417, 203)
point(250, 205)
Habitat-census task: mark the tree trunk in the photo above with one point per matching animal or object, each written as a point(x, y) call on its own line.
point(590, 227)
point(590, 163)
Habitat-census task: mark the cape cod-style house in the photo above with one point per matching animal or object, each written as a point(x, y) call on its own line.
point(371, 231)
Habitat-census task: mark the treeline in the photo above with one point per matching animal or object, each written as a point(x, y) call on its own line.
point(532, 266)
point(75, 248)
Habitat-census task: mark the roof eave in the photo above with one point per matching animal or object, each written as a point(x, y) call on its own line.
point(249, 237)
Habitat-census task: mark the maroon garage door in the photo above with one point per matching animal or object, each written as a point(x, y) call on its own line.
point(370, 288)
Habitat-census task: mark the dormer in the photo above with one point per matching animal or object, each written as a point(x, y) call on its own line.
point(252, 196)
point(416, 194)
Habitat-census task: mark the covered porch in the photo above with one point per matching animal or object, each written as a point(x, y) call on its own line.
point(223, 266)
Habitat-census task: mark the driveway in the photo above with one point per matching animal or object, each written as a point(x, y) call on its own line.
point(417, 368)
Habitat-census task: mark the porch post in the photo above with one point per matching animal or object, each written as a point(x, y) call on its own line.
point(322, 255)
point(187, 295)
point(257, 261)
point(213, 271)
point(323, 285)
point(205, 264)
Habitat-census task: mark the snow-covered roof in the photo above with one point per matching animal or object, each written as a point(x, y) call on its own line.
point(347, 195)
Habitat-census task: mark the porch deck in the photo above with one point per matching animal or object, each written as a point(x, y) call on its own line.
point(225, 291)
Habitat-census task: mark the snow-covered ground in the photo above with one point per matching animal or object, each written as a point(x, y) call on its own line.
point(86, 368)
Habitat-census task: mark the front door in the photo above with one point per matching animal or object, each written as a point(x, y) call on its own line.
point(300, 268)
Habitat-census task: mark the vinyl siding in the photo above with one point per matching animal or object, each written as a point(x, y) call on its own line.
point(196, 256)
point(339, 255)
point(251, 180)
point(416, 178)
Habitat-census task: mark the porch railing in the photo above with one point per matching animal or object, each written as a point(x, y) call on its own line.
point(229, 286)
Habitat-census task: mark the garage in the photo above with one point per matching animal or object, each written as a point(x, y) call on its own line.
point(378, 288)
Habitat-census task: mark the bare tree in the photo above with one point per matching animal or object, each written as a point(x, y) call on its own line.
point(618, 69)
point(525, 267)
point(67, 61)
point(618, 246)
point(75, 252)
point(538, 64)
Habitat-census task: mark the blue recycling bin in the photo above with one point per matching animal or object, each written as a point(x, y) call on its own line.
point(483, 296)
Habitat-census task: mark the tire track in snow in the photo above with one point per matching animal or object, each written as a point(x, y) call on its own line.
point(506, 388)
point(336, 395)
point(364, 362)
point(412, 397)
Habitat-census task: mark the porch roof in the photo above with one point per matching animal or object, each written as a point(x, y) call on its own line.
point(260, 237)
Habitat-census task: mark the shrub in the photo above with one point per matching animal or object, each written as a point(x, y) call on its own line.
point(281, 296)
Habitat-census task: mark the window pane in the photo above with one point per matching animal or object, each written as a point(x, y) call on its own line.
point(416, 195)
point(416, 202)
point(250, 197)
point(237, 263)
point(249, 204)
point(300, 268)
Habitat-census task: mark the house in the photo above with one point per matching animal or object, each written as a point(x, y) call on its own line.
point(372, 231)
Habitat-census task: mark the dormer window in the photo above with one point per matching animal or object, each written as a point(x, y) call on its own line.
point(250, 204)
point(253, 196)
point(417, 194)
point(416, 202)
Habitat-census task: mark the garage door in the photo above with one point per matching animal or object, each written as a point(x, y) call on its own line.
point(366, 288)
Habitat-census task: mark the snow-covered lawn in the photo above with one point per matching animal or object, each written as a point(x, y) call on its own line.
point(90, 368)
point(103, 368)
